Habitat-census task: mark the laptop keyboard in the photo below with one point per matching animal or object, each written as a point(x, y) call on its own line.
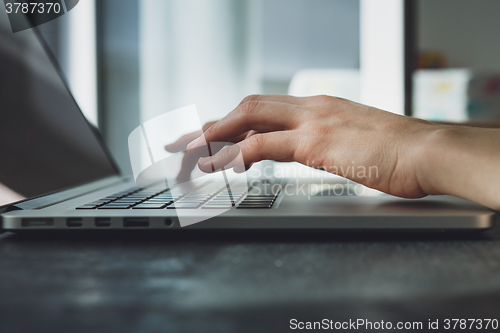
point(260, 195)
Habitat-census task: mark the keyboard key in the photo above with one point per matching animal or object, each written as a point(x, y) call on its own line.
point(207, 193)
point(114, 207)
point(128, 199)
point(254, 206)
point(217, 206)
point(130, 202)
point(165, 203)
point(98, 202)
point(259, 198)
point(192, 205)
point(160, 199)
point(114, 203)
point(227, 199)
point(149, 206)
point(87, 207)
point(247, 199)
point(191, 200)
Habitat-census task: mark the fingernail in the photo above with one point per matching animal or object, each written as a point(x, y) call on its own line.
point(196, 143)
point(206, 164)
point(204, 160)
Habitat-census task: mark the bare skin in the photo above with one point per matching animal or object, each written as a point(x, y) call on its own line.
point(414, 158)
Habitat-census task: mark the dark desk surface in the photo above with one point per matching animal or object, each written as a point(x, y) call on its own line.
point(242, 283)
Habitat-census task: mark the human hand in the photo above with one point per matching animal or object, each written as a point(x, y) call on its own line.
point(367, 145)
point(191, 156)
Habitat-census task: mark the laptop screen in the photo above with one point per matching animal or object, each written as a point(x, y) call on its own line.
point(46, 144)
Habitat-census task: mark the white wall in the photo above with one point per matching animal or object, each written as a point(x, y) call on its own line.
point(300, 34)
point(382, 54)
point(79, 32)
point(194, 52)
point(468, 31)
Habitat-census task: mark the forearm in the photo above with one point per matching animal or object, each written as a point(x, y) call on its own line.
point(461, 161)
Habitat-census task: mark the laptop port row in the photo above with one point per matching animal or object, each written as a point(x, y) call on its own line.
point(99, 222)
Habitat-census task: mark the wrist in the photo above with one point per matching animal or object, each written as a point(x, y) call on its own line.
point(429, 158)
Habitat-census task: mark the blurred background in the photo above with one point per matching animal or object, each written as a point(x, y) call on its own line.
point(129, 61)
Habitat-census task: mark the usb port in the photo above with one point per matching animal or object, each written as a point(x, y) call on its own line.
point(136, 222)
point(74, 222)
point(102, 222)
point(37, 222)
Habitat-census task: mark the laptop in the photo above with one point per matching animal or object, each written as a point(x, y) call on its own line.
point(56, 174)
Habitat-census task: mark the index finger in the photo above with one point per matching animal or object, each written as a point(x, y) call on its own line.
point(181, 143)
point(260, 116)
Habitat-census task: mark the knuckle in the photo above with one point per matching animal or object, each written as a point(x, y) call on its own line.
point(224, 154)
point(208, 125)
point(256, 142)
point(252, 148)
point(248, 108)
point(250, 98)
point(208, 129)
point(325, 99)
point(338, 100)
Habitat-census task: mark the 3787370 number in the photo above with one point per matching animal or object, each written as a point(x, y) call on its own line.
point(469, 324)
point(33, 7)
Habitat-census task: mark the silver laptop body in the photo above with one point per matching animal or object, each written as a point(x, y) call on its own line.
point(56, 174)
point(297, 210)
